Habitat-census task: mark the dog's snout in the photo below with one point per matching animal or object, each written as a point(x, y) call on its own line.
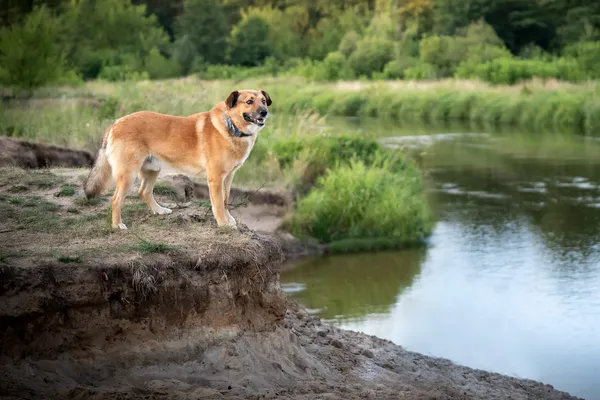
point(263, 112)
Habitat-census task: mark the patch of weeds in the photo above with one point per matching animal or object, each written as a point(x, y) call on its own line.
point(164, 189)
point(42, 180)
point(73, 210)
point(84, 201)
point(66, 190)
point(69, 259)
point(4, 199)
point(203, 203)
point(18, 189)
point(32, 213)
point(147, 247)
point(17, 201)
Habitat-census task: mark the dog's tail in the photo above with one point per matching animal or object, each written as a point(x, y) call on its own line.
point(99, 175)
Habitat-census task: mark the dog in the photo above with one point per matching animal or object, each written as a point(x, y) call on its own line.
point(213, 143)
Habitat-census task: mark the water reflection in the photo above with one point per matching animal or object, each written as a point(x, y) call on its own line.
point(350, 287)
point(510, 280)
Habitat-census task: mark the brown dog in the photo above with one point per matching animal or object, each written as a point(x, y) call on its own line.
point(213, 143)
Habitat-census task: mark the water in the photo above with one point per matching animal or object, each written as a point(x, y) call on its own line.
point(511, 279)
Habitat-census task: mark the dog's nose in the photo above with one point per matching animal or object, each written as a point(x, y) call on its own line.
point(263, 113)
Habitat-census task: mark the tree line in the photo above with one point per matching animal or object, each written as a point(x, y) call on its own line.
point(501, 41)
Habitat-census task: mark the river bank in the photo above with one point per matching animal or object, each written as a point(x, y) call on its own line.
point(178, 308)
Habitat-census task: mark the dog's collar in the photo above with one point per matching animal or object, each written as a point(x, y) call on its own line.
point(234, 129)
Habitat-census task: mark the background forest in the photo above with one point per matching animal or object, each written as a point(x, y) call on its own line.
point(498, 41)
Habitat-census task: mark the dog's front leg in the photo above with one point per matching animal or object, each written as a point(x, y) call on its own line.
point(216, 185)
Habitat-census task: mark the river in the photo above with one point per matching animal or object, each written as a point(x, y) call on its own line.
point(510, 280)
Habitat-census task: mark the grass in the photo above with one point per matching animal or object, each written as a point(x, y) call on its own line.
point(66, 191)
point(69, 259)
point(41, 227)
point(146, 247)
point(162, 188)
point(355, 202)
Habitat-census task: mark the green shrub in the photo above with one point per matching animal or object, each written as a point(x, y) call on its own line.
point(511, 70)
point(160, 67)
point(205, 23)
point(348, 43)
point(371, 55)
point(333, 67)
point(184, 52)
point(588, 56)
point(29, 54)
point(249, 42)
point(396, 69)
point(420, 71)
point(124, 72)
point(359, 201)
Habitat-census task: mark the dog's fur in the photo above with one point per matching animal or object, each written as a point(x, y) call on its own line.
point(201, 144)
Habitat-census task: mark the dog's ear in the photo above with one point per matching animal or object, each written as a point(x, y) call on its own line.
point(232, 99)
point(266, 97)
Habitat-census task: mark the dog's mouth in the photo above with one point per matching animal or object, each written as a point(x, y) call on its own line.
point(260, 121)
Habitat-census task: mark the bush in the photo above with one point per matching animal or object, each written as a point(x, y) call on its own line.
point(509, 71)
point(249, 42)
point(159, 67)
point(396, 69)
point(98, 33)
point(371, 55)
point(420, 71)
point(29, 55)
point(348, 44)
point(123, 72)
point(205, 23)
point(333, 67)
point(588, 56)
point(359, 201)
point(184, 52)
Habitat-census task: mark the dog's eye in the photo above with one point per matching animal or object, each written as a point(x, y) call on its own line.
point(264, 101)
point(249, 102)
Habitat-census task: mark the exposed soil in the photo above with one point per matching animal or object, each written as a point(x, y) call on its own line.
point(20, 153)
point(176, 308)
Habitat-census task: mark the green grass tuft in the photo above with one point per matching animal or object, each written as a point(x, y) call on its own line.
point(147, 247)
point(164, 189)
point(69, 259)
point(66, 190)
point(84, 201)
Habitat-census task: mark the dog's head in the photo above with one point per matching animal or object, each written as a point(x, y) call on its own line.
point(248, 107)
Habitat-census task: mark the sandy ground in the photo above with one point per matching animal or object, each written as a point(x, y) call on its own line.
point(301, 358)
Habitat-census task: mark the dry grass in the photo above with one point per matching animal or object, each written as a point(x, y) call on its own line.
point(37, 225)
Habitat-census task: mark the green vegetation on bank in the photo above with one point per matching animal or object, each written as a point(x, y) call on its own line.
point(498, 41)
point(574, 109)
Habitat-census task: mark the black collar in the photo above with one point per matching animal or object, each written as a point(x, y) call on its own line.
point(234, 129)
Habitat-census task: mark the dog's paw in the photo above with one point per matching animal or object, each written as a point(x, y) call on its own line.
point(121, 226)
point(231, 221)
point(162, 211)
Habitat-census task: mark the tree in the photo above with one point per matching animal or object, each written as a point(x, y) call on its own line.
point(517, 22)
point(29, 54)
point(110, 32)
point(249, 42)
point(205, 23)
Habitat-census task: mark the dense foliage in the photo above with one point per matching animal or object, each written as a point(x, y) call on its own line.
point(500, 41)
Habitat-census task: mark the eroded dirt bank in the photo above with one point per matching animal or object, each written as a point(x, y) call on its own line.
point(176, 308)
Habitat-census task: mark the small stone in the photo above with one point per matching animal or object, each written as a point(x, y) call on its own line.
point(322, 333)
point(337, 343)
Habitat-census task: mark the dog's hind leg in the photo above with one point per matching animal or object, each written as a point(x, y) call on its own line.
point(124, 179)
point(148, 174)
